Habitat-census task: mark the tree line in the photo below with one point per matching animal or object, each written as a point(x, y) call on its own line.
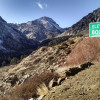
point(12, 61)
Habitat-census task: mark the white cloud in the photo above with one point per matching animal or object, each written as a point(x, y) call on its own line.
point(40, 5)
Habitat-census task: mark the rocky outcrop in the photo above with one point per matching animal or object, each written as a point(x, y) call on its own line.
point(72, 70)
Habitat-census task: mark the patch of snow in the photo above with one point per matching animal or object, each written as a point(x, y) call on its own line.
point(48, 23)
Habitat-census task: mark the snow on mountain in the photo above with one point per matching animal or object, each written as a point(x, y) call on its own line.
point(48, 23)
point(11, 39)
point(39, 29)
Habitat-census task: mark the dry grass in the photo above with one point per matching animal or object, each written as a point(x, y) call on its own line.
point(86, 50)
point(32, 87)
point(83, 86)
point(42, 89)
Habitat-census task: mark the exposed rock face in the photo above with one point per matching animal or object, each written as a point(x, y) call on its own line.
point(11, 80)
point(10, 38)
point(82, 26)
point(53, 83)
point(39, 29)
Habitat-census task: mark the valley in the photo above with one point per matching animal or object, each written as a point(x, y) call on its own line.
point(47, 62)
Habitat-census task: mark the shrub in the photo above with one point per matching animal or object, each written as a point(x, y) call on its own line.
point(79, 35)
point(31, 88)
point(86, 50)
point(64, 44)
point(3, 63)
point(14, 61)
point(71, 41)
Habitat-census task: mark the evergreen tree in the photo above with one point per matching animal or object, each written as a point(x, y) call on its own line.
point(14, 61)
point(3, 63)
point(9, 59)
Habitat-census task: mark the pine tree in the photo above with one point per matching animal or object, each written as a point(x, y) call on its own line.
point(14, 61)
point(3, 63)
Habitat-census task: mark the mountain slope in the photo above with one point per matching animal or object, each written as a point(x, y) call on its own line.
point(82, 26)
point(78, 82)
point(43, 59)
point(83, 86)
point(39, 29)
point(12, 40)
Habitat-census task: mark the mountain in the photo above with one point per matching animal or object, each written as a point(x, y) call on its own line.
point(82, 26)
point(39, 29)
point(13, 41)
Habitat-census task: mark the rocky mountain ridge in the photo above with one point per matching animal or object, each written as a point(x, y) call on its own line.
point(82, 26)
point(13, 42)
point(39, 29)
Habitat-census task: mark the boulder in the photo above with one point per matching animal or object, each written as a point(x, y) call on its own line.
point(40, 97)
point(60, 80)
point(31, 99)
point(12, 79)
point(52, 83)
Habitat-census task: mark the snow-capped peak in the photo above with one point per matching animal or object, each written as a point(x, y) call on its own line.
point(48, 23)
point(40, 29)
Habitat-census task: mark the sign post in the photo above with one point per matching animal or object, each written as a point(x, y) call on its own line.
point(94, 29)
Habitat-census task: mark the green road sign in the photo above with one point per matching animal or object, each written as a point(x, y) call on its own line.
point(94, 29)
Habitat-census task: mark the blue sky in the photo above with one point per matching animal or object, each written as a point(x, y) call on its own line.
point(64, 12)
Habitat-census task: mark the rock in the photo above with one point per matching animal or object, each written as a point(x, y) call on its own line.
point(31, 99)
point(86, 65)
point(39, 29)
point(66, 71)
point(61, 71)
point(52, 83)
point(56, 67)
point(60, 80)
point(40, 98)
point(82, 25)
point(26, 76)
point(12, 79)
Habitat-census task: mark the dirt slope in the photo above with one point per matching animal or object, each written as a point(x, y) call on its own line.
point(45, 58)
point(83, 86)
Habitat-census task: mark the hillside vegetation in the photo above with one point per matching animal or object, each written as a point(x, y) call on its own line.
point(40, 75)
point(87, 50)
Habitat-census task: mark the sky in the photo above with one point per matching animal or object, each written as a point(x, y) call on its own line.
point(64, 12)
